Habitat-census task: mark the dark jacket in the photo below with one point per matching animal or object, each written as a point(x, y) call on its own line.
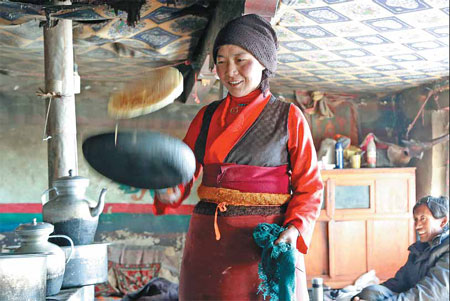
point(425, 276)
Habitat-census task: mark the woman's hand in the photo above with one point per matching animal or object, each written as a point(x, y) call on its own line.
point(357, 299)
point(169, 195)
point(289, 236)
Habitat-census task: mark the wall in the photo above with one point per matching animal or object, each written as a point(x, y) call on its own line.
point(352, 115)
point(432, 170)
point(23, 166)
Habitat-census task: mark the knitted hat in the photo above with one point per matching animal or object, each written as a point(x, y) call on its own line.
point(255, 35)
point(437, 205)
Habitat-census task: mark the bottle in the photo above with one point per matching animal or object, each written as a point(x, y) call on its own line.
point(317, 289)
point(339, 155)
point(371, 154)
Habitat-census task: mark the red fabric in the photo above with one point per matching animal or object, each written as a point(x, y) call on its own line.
point(161, 208)
point(227, 269)
point(223, 136)
point(247, 178)
point(307, 186)
point(130, 278)
point(224, 133)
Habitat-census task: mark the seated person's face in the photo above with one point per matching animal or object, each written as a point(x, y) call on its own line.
point(426, 225)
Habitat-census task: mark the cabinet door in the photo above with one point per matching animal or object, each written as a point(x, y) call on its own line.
point(316, 261)
point(388, 243)
point(392, 196)
point(348, 255)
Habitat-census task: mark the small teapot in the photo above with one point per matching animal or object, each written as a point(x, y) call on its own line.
point(34, 239)
point(69, 210)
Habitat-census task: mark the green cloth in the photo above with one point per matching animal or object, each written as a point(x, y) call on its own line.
point(277, 266)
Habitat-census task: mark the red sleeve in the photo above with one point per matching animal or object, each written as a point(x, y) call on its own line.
point(304, 207)
point(190, 138)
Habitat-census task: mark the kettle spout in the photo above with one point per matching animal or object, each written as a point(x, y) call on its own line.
point(100, 205)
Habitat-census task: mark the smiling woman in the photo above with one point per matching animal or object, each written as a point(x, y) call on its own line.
point(425, 276)
point(239, 71)
point(259, 166)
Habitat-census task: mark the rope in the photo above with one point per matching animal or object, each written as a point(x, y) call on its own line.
point(222, 207)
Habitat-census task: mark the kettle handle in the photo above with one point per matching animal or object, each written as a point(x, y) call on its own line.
point(71, 245)
point(43, 195)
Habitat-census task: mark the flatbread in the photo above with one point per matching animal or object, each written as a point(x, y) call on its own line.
point(151, 93)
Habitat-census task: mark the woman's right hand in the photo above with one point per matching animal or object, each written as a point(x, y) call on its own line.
point(169, 195)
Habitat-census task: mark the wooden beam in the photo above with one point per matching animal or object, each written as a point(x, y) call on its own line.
point(61, 127)
point(224, 11)
point(266, 9)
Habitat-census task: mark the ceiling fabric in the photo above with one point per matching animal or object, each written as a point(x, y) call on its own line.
point(105, 47)
point(362, 45)
point(351, 46)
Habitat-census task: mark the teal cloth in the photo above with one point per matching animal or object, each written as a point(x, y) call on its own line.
point(277, 266)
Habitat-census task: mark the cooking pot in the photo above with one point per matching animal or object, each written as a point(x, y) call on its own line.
point(69, 210)
point(34, 239)
point(88, 265)
point(23, 277)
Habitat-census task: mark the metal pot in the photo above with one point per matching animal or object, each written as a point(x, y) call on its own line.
point(34, 239)
point(23, 277)
point(69, 211)
point(88, 265)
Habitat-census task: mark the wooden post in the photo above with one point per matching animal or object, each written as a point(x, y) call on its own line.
point(61, 126)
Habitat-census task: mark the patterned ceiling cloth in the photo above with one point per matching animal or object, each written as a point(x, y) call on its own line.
point(105, 47)
point(350, 46)
point(362, 45)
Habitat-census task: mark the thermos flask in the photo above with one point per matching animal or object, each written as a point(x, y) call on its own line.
point(339, 155)
point(317, 289)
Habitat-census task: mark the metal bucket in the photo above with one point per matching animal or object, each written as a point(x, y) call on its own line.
point(88, 265)
point(23, 277)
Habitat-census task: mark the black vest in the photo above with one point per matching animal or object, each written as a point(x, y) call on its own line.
point(263, 144)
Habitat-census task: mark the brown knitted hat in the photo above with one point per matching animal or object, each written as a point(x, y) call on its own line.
point(254, 34)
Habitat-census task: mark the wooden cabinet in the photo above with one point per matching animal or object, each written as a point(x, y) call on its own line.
point(365, 223)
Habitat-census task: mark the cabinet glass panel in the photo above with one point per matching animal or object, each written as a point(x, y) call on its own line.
point(352, 197)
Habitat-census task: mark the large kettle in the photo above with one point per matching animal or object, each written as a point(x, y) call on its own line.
point(34, 240)
point(69, 210)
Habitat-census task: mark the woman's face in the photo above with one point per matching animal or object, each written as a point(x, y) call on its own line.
point(238, 70)
point(426, 225)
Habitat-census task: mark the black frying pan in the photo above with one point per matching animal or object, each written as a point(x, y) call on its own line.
point(141, 159)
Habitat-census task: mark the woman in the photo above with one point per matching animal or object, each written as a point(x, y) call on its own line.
point(259, 166)
point(425, 276)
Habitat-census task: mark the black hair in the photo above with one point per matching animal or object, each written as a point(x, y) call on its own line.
point(437, 205)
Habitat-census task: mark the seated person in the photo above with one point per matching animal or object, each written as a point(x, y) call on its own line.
point(425, 276)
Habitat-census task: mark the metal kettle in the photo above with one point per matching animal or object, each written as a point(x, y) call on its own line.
point(34, 240)
point(69, 210)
